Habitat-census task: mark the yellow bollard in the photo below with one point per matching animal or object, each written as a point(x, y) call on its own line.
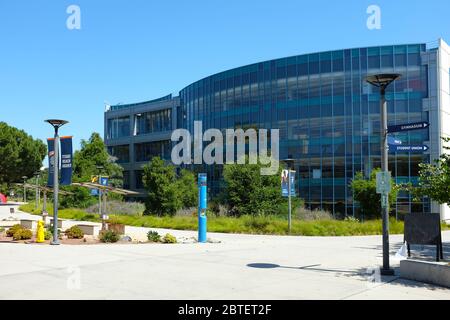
point(40, 236)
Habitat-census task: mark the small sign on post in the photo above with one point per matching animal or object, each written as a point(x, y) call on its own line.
point(383, 182)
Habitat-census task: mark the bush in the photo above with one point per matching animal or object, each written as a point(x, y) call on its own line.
point(81, 198)
point(189, 212)
point(308, 215)
point(109, 236)
point(49, 230)
point(11, 231)
point(74, 232)
point(115, 207)
point(168, 238)
point(218, 209)
point(47, 235)
point(153, 236)
point(23, 234)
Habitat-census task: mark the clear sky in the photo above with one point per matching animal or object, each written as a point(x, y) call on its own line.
point(137, 50)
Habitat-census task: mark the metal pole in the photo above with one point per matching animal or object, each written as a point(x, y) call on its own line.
point(289, 200)
point(202, 207)
point(55, 189)
point(36, 193)
point(44, 207)
point(99, 196)
point(386, 270)
point(24, 191)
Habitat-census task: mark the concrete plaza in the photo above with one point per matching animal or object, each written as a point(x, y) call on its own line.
point(238, 267)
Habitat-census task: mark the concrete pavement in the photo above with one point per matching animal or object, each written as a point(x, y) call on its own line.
point(239, 267)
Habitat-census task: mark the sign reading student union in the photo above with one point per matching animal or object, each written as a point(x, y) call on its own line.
point(408, 127)
point(412, 149)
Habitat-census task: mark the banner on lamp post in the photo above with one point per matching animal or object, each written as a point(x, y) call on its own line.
point(66, 161)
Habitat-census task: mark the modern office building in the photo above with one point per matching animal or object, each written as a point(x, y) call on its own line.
point(328, 116)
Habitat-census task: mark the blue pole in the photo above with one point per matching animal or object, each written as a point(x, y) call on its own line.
point(202, 206)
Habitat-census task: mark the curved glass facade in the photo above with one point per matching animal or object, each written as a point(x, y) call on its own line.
point(328, 117)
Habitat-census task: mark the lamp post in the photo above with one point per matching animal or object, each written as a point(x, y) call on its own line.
point(289, 161)
point(24, 188)
point(38, 192)
point(56, 125)
point(382, 81)
point(100, 168)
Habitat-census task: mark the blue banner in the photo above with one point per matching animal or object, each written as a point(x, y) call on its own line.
point(66, 161)
point(51, 160)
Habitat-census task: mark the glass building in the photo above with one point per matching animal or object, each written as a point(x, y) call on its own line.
point(328, 116)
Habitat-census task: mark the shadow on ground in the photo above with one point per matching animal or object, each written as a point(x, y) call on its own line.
point(420, 252)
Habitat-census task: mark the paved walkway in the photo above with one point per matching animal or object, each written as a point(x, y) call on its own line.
point(239, 267)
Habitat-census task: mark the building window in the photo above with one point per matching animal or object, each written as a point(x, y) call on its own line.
point(126, 179)
point(121, 153)
point(118, 127)
point(147, 150)
point(138, 174)
point(155, 121)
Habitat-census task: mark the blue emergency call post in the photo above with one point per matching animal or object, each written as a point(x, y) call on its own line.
point(202, 206)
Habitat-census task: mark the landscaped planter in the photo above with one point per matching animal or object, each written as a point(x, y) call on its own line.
point(117, 227)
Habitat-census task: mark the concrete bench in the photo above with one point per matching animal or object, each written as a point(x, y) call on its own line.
point(29, 224)
point(425, 271)
point(90, 230)
point(62, 223)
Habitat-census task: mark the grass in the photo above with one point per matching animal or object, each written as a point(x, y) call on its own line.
point(270, 225)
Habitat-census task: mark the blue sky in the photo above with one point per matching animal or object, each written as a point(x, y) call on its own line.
point(136, 50)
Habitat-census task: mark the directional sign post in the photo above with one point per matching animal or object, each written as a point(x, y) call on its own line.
point(408, 127)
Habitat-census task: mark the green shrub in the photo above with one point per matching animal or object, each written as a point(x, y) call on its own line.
point(109, 236)
point(49, 230)
point(47, 235)
point(153, 236)
point(2, 229)
point(74, 232)
point(11, 231)
point(168, 238)
point(22, 234)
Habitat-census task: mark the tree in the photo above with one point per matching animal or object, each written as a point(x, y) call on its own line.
point(187, 188)
point(247, 192)
point(365, 192)
point(163, 195)
point(92, 154)
point(20, 154)
point(434, 179)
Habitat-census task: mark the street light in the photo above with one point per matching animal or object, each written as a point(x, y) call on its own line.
point(56, 125)
point(382, 81)
point(289, 161)
point(24, 188)
point(102, 216)
point(38, 192)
